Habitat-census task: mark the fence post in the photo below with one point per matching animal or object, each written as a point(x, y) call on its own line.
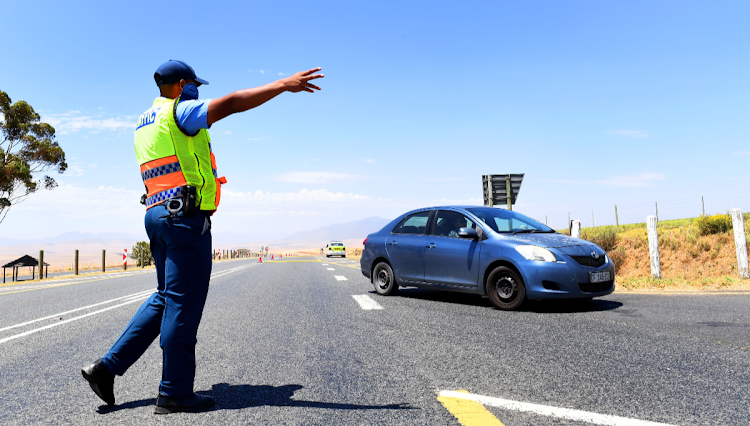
point(657, 211)
point(740, 243)
point(703, 206)
point(75, 269)
point(617, 219)
point(104, 263)
point(593, 225)
point(143, 258)
point(575, 230)
point(41, 264)
point(653, 246)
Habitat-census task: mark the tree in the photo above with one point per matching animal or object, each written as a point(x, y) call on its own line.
point(27, 149)
point(145, 248)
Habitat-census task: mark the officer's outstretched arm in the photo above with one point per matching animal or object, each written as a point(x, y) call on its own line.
point(243, 100)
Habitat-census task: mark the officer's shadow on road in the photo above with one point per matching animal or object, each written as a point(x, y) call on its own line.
point(561, 306)
point(237, 397)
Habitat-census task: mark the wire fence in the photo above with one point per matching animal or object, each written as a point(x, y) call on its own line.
point(664, 210)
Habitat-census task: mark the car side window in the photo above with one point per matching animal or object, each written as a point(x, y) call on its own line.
point(413, 224)
point(447, 223)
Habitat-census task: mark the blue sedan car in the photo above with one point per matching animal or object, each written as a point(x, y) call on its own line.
point(502, 254)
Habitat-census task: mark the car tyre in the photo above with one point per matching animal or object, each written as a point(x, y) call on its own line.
point(383, 279)
point(505, 289)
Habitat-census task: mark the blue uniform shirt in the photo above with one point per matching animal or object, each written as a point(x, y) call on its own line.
point(193, 115)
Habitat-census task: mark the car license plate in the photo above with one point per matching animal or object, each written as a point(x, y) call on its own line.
point(599, 277)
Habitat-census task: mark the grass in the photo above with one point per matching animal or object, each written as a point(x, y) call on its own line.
point(692, 258)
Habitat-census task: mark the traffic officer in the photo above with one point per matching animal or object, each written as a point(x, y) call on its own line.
point(173, 149)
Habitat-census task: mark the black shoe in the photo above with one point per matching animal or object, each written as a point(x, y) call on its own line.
point(191, 403)
point(101, 381)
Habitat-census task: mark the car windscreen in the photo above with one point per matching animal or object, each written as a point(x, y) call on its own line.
point(508, 222)
point(336, 245)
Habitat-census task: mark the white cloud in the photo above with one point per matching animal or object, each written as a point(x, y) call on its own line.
point(228, 132)
point(743, 153)
point(74, 121)
point(282, 73)
point(630, 133)
point(74, 170)
point(315, 177)
point(638, 180)
point(369, 160)
point(303, 196)
point(256, 138)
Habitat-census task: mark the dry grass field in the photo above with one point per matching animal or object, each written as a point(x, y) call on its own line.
point(691, 258)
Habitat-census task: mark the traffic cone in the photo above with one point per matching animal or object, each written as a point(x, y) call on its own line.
point(271, 257)
point(260, 259)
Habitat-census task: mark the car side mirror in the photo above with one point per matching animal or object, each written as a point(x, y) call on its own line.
point(468, 233)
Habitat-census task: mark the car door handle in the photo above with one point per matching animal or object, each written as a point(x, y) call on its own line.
point(431, 245)
point(393, 243)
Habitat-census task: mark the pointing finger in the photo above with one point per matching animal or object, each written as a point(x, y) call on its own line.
point(308, 72)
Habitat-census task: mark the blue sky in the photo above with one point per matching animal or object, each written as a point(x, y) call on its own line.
point(599, 103)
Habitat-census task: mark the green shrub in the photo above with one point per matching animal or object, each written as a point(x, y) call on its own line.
point(715, 224)
point(605, 237)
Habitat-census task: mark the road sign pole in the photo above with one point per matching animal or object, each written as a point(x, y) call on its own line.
point(509, 192)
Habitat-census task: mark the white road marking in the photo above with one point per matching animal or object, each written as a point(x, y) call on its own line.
point(340, 278)
point(547, 410)
point(26, 333)
point(325, 264)
point(131, 298)
point(330, 269)
point(366, 303)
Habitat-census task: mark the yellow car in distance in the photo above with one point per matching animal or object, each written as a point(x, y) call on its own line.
point(335, 248)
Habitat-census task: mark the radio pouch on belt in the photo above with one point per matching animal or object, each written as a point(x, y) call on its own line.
point(190, 207)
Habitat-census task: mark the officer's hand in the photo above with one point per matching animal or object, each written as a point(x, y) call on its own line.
point(301, 81)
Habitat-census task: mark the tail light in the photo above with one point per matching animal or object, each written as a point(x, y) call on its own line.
point(365, 241)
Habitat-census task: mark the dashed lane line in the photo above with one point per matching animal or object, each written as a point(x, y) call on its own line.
point(546, 410)
point(330, 269)
point(340, 278)
point(468, 412)
point(366, 303)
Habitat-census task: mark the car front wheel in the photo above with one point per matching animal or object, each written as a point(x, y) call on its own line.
point(505, 289)
point(383, 279)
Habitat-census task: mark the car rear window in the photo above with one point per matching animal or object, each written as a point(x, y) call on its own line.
point(413, 224)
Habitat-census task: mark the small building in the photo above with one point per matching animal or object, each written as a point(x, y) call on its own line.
point(24, 261)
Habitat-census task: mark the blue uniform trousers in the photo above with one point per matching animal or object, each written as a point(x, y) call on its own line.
point(182, 251)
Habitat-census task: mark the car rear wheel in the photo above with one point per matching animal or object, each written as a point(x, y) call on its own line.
point(505, 289)
point(383, 279)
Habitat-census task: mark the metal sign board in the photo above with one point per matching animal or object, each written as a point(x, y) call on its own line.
point(497, 187)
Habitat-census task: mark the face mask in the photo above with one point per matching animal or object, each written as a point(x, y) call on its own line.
point(189, 92)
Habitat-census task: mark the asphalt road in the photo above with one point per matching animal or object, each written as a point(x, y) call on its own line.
point(287, 343)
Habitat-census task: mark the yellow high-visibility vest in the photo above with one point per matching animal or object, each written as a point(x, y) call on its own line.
point(170, 159)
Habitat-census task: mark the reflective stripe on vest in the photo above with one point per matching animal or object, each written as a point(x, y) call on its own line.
point(170, 159)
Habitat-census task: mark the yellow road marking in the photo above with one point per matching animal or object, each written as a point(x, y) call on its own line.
point(469, 413)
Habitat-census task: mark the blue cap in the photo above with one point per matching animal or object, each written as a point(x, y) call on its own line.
point(173, 71)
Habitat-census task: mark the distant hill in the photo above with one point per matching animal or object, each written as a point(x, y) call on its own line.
point(351, 233)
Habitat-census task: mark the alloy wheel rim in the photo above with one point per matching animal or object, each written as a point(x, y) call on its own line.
point(506, 287)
